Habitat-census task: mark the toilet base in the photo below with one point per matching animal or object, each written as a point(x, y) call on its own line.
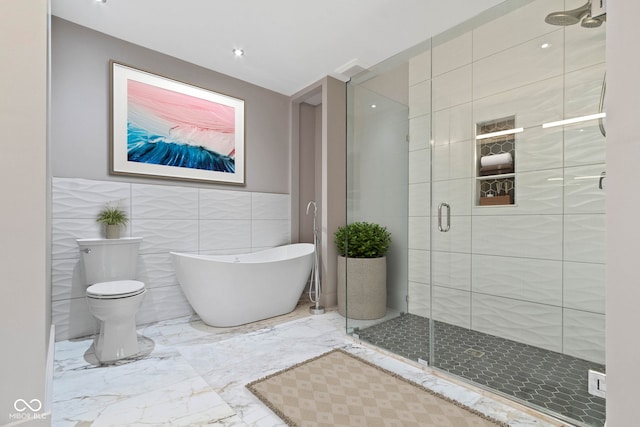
point(116, 340)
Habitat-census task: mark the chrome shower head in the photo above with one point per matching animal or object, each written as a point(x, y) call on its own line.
point(568, 17)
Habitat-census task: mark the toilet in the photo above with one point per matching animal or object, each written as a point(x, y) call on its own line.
point(113, 295)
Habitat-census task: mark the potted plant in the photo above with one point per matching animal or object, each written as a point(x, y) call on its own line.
point(362, 270)
point(113, 218)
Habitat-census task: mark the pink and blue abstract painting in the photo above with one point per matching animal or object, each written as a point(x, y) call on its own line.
point(173, 129)
point(165, 128)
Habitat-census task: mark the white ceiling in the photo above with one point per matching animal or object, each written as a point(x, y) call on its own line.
point(288, 44)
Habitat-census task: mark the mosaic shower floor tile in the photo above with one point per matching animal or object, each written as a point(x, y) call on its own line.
point(549, 380)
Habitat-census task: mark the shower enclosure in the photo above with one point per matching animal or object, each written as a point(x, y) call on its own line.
point(482, 151)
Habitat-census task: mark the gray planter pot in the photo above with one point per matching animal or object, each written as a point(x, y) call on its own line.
point(112, 231)
point(362, 287)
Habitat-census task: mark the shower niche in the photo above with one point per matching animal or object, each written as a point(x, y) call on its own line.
point(495, 162)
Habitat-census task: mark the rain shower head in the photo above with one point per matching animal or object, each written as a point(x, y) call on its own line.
point(569, 17)
point(589, 22)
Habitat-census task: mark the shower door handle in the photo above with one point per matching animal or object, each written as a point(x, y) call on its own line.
point(440, 227)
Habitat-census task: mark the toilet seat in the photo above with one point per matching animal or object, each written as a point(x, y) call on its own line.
point(115, 289)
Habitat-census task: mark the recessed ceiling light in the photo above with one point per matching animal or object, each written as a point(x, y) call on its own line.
point(101, 1)
point(238, 52)
point(545, 45)
point(373, 105)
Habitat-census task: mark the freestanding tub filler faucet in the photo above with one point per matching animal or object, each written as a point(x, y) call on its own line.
point(314, 285)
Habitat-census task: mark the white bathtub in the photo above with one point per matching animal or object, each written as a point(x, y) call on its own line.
point(230, 290)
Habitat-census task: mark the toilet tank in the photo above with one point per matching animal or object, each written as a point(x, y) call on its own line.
point(107, 260)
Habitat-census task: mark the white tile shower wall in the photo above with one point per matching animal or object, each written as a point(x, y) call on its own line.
point(419, 299)
point(418, 178)
point(453, 124)
point(452, 88)
point(420, 99)
point(419, 195)
point(583, 144)
point(419, 266)
point(419, 166)
point(539, 192)
point(539, 325)
point(457, 239)
point(527, 279)
point(582, 91)
point(526, 236)
point(500, 72)
point(539, 149)
point(420, 68)
point(452, 54)
point(536, 267)
point(451, 306)
point(169, 218)
point(513, 28)
point(419, 233)
point(582, 192)
point(456, 192)
point(584, 238)
point(584, 48)
point(451, 270)
point(583, 288)
point(453, 160)
point(532, 104)
point(419, 131)
point(582, 334)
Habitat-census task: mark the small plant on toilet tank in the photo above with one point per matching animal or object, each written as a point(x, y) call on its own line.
point(114, 219)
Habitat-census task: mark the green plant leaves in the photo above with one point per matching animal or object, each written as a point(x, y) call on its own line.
point(112, 216)
point(362, 240)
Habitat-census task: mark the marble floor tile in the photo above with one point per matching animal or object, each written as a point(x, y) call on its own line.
point(196, 374)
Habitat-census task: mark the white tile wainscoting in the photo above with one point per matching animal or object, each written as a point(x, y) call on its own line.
point(168, 218)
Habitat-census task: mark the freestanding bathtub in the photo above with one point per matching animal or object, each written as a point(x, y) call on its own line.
point(231, 290)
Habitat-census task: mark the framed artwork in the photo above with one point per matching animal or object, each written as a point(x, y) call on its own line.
point(164, 128)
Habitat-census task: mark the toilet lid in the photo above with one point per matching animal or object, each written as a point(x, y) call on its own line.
point(116, 289)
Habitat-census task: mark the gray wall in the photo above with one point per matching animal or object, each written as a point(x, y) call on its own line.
point(623, 204)
point(24, 306)
point(324, 138)
point(80, 108)
point(333, 182)
point(309, 125)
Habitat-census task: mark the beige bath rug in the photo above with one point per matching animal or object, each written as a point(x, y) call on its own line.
point(339, 389)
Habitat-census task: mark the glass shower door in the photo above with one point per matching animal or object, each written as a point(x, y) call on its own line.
point(517, 211)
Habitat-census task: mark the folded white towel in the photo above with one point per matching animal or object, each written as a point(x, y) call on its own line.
point(496, 159)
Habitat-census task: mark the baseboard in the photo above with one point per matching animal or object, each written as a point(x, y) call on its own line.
point(48, 381)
